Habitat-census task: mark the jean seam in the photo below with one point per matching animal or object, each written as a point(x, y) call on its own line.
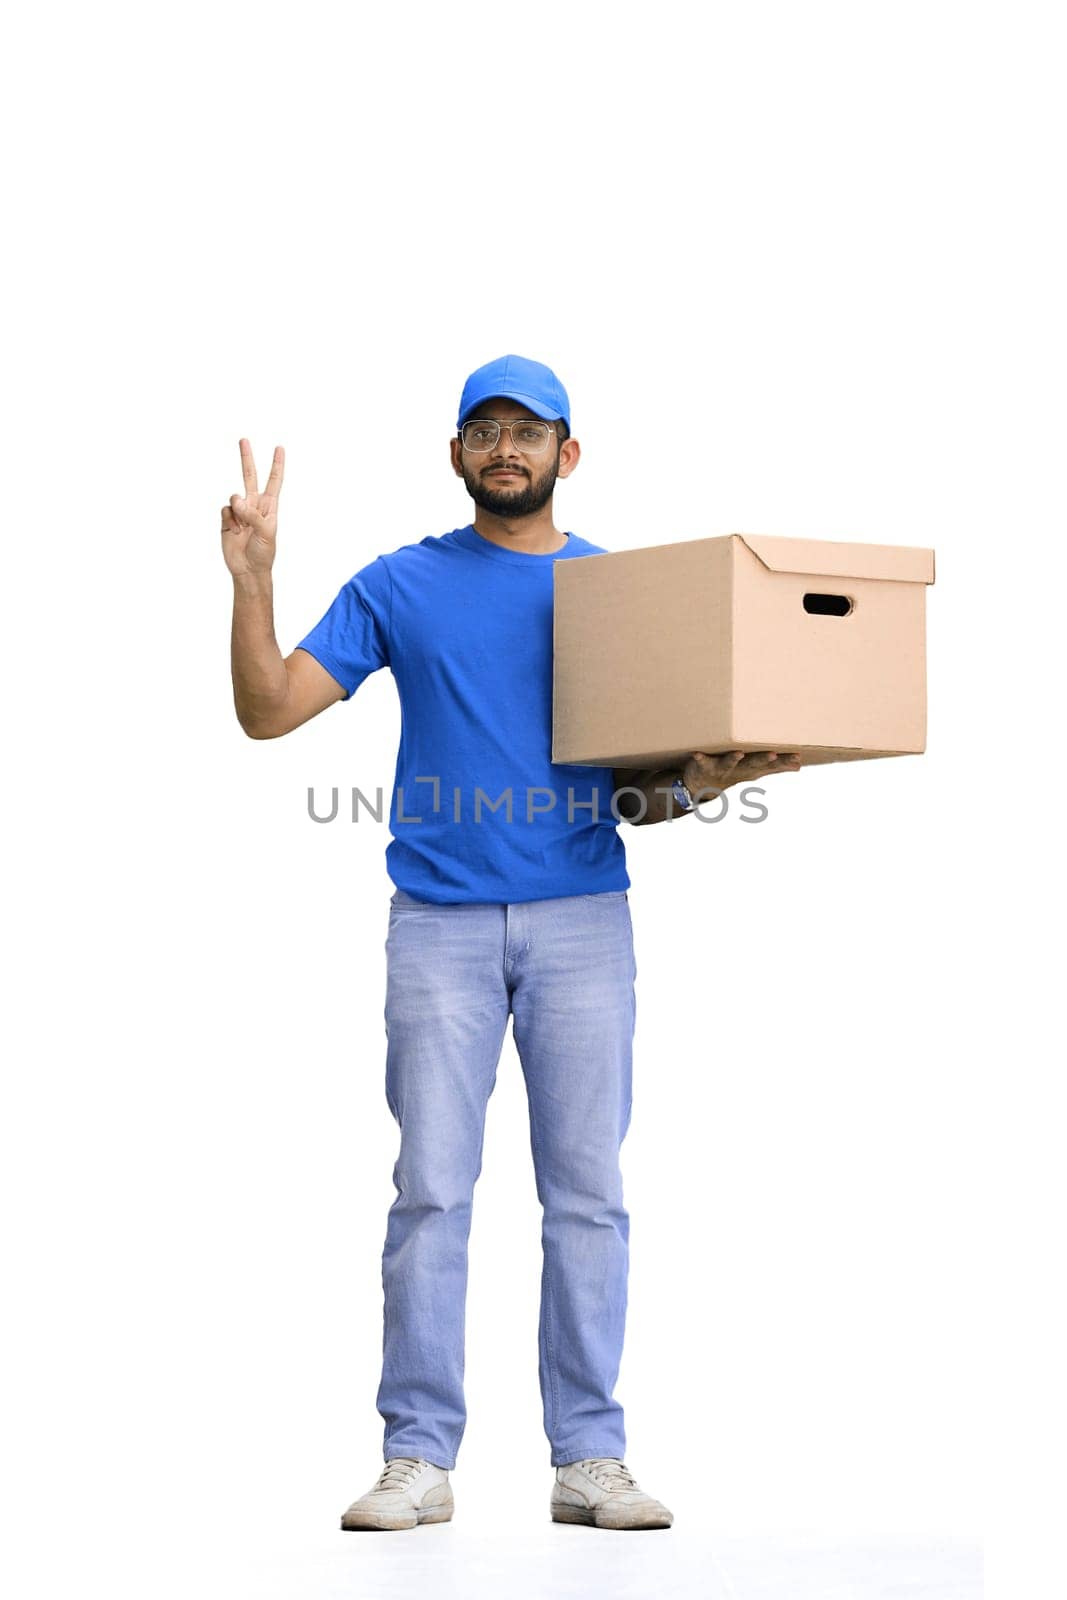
point(550, 1306)
point(553, 1376)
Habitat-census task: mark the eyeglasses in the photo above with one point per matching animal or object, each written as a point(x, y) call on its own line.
point(482, 434)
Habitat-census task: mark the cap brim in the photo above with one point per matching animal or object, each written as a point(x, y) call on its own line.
point(538, 408)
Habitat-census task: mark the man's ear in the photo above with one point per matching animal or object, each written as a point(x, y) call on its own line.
point(570, 452)
point(454, 447)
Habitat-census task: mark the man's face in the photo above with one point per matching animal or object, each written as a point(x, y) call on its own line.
point(503, 480)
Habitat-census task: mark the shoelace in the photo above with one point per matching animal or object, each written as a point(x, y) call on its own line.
point(398, 1472)
point(609, 1473)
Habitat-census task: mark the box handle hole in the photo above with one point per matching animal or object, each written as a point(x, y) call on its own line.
point(827, 605)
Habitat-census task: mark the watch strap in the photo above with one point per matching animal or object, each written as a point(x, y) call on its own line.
point(681, 794)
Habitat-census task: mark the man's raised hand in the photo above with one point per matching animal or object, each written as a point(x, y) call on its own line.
point(250, 521)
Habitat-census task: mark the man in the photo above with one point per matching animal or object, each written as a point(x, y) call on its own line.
point(510, 900)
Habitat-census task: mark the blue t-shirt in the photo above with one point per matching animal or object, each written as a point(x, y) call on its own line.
point(465, 626)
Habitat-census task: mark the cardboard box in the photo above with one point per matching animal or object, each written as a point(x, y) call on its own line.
point(746, 642)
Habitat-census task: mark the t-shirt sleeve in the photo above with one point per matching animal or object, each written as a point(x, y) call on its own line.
point(352, 640)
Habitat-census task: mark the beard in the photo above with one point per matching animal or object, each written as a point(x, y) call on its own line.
point(512, 499)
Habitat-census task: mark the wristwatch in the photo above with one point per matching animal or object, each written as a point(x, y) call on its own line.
point(681, 794)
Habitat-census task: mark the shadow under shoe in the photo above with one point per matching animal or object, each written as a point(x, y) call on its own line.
point(409, 1491)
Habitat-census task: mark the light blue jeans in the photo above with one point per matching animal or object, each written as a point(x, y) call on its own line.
point(564, 969)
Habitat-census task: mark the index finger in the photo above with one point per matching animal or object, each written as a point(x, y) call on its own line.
point(248, 468)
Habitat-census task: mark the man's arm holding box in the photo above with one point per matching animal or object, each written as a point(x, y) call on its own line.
point(704, 776)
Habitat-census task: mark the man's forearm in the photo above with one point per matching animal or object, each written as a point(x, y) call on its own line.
point(260, 681)
point(658, 807)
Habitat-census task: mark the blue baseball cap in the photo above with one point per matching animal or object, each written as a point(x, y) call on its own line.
point(514, 378)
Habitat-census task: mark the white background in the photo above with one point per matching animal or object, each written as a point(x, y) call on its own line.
point(801, 269)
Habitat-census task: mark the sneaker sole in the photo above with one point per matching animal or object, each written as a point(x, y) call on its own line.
point(385, 1525)
point(586, 1516)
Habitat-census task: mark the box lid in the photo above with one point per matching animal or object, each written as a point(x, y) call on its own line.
point(828, 558)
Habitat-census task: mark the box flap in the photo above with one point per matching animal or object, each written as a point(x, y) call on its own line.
point(828, 558)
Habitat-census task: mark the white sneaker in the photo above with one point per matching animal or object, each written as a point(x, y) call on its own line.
point(408, 1491)
point(601, 1493)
